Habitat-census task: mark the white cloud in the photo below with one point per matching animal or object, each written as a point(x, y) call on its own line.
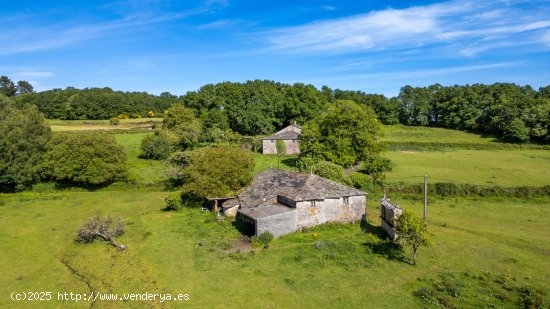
point(33, 74)
point(443, 23)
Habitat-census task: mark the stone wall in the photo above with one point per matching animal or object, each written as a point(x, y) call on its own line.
point(269, 146)
point(330, 210)
point(279, 224)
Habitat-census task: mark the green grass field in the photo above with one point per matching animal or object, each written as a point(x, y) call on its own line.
point(401, 133)
point(141, 170)
point(486, 252)
point(504, 237)
point(506, 168)
point(125, 124)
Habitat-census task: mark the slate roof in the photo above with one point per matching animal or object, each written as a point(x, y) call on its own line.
point(265, 210)
point(295, 186)
point(294, 133)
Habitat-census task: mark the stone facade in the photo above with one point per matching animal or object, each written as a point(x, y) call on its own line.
point(290, 137)
point(292, 146)
point(281, 202)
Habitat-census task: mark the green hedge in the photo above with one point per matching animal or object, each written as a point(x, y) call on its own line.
point(449, 189)
point(419, 146)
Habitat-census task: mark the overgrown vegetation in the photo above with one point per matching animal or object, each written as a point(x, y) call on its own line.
point(24, 141)
point(456, 290)
point(86, 159)
point(216, 172)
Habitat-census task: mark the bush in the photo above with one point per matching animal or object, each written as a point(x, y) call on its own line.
point(123, 116)
point(114, 121)
point(358, 180)
point(86, 158)
point(157, 146)
point(150, 114)
point(173, 202)
point(265, 238)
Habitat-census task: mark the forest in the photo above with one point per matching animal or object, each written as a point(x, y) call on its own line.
point(511, 112)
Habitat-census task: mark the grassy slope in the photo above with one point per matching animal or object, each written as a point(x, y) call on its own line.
point(504, 167)
point(125, 124)
point(401, 133)
point(142, 170)
point(502, 236)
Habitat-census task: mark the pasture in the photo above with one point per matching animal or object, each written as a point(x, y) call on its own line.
point(345, 266)
point(103, 125)
point(485, 252)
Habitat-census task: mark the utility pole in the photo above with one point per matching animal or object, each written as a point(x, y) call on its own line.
point(425, 199)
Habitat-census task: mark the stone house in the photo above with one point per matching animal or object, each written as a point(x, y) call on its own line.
point(289, 135)
point(281, 202)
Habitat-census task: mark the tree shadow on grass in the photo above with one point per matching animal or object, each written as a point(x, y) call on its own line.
point(379, 243)
point(292, 161)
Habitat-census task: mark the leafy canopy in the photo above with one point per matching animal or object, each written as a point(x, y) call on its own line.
point(184, 124)
point(23, 143)
point(345, 134)
point(86, 158)
point(216, 172)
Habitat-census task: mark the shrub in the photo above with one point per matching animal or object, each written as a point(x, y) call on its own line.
point(122, 116)
point(150, 114)
point(86, 158)
point(265, 238)
point(173, 202)
point(358, 180)
point(114, 121)
point(157, 146)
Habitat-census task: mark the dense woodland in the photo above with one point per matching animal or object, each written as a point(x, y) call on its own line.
point(511, 112)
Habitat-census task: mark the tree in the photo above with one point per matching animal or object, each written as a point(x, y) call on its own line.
point(281, 149)
point(7, 87)
point(157, 146)
point(216, 172)
point(184, 124)
point(345, 134)
point(87, 159)
point(24, 138)
point(103, 228)
point(411, 231)
point(24, 87)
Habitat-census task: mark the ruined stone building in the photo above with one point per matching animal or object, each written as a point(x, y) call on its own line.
point(290, 137)
point(281, 202)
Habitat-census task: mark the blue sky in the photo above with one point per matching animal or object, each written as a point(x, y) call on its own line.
point(177, 46)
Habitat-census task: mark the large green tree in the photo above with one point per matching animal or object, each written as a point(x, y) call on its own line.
point(216, 172)
point(23, 143)
point(86, 159)
point(7, 87)
point(346, 133)
point(184, 124)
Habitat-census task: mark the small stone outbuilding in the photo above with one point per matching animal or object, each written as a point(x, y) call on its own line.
point(388, 214)
point(290, 137)
point(281, 202)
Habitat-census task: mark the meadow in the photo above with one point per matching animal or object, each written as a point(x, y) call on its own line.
point(486, 252)
point(103, 125)
point(344, 266)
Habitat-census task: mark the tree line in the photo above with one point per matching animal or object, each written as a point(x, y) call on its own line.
point(511, 112)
